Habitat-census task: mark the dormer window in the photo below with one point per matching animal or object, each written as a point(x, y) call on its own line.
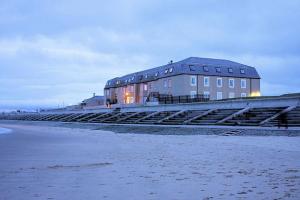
point(171, 70)
point(156, 74)
point(205, 68)
point(132, 78)
point(192, 68)
point(146, 76)
point(230, 70)
point(242, 71)
point(218, 69)
point(166, 71)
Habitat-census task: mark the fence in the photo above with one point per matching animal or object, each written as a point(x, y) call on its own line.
point(182, 99)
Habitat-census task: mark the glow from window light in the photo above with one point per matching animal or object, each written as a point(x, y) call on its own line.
point(255, 94)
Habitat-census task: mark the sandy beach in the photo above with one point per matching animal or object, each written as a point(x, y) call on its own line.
point(47, 162)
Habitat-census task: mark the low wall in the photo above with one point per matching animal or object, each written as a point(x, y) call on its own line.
point(222, 104)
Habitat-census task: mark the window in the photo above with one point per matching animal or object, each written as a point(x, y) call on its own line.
point(230, 70)
point(243, 95)
point(219, 95)
point(156, 74)
point(231, 83)
point(193, 80)
point(146, 76)
point(242, 71)
point(206, 94)
point(205, 68)
point(166, 71)
point(132, 78)
point(219, 82)
point(192, 68)
point(231, 95)
point(243, 83)
point(218, 69)
point(171, 70)
point(165, 83)
point(170, 83)
point(193, 94)
point(145, 87)
point(206, 81)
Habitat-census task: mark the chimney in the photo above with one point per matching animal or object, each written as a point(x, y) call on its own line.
point(94, 94)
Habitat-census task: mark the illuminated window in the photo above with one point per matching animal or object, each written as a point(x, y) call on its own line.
point(206, 81)
point(231, 83)
point(219, 82)
point(145, 87)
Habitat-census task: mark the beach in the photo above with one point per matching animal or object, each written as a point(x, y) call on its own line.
point(50, 162)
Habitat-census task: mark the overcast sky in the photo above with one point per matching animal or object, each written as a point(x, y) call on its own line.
point(55, 52)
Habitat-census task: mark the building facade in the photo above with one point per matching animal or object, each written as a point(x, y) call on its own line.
point(214, 78)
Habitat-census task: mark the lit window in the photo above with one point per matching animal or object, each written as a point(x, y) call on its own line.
point(206, 94)
point(231, 83)
point(242, 71)
point(193, 94)
point(170, 83)
point(166, 71)
point(206, 81)
point(218, 69)
point(219, 82)
point(205, 68)
point(193, 80)
point(171, 70)
point(219, 95)
point(165, 83)
point(243, 83)
point(231, 95)
point(243, 95)
point(145, 87)
point(230, 70)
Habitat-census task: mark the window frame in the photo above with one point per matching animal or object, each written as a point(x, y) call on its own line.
point(221, 85)
point(191, 80)
point(243, 94)
point(204, 83)
point(218, 95)
point(231, 86)
point(245, 85)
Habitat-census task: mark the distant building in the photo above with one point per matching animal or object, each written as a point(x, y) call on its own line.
point(214, 78)
point(93, 101)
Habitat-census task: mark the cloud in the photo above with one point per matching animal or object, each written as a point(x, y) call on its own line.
point(67, 50)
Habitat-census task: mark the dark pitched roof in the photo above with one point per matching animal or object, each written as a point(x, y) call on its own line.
point(192, 66)
point(93, 99)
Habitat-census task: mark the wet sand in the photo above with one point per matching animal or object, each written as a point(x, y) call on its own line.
point(46, 162)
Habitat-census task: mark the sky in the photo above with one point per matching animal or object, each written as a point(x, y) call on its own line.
point(55, 53)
